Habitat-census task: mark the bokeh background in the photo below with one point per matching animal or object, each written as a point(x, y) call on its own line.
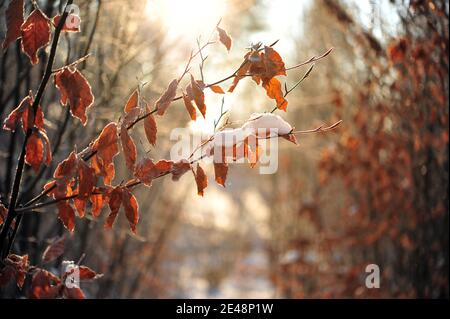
point(375, 190)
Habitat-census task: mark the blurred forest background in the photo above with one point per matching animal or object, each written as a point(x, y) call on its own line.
point(373, 191)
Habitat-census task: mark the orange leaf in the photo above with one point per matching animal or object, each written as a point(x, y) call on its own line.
point(72, 23)
point(54, 250)
point(34, 151)
point(224, 38)
point(128, 147)
point(66, 169)
point(87, 273)
point(131, 207)
point(201, 179)
point(132, 102)
point(217, 89)
point(166, 99)
point(80, 206)
point(98, 201)
point(27, 119)
point(220, 171)
point(115, 201)
point(190, 107)
point(291, 138)
point(107, 148)
point(14, 20)
point(48, 151)
point(13, 118)
point(35, 34)
point(75, 89)
point(66, 214)
point(44, 285)
point(198, 96)
point(273, 90)
point(150, 128)
point(273, 63)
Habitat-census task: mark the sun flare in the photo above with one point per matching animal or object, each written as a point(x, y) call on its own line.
point(184, 18)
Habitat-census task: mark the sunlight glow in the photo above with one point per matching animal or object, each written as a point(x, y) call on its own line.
point(184, 18)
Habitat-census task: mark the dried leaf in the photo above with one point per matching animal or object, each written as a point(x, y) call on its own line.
point(34, 155)
point(14, 20)
point(75, 90)
point(132, 102)
point(35, 34)
point(273, 90)
point(180, 168)
point(66, 214)
point(217, 89)
point(146, 170)
point(201, 179)
point(220, 171)
point(72, 23)
point(224, 38)
point(198, 96)
point(166, 99)
point(131, 207)
point(115, 201)
point(86, 179)
point(128, 147)
point(13, 118)
point(190, 107)
point(54, 250)
point(150, 128)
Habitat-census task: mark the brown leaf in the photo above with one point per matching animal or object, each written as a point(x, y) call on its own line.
point(54, 250)
point(273, 90)
point(217, 89)
point(180, 168)
point(146, 170)
point(14, 20)
point(201, 179)
point(34, 155)
point(291, 138)
point(273, 63)
point(44, 285)
point(86, 179)
point(15, 266)
point(80, 206)
point(224, 38)
point(131, 207)
point(13, 118)
point(66, 169)
point(48, 150)
point(150, 128)
point(87, 273)
point(115, 201)
point(107, 148)
point(128, 147)
point(66, 214)
point(75, 89)
point(198, 96)
point(190, 107)
point(35, 34)
point(132, 102)
point(166, 99)
point(27, 119)
point(220, 171)
point(98, 201)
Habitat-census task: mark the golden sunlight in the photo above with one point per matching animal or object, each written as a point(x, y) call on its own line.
point(186, 18)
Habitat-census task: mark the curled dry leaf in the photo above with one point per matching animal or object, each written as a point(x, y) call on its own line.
point(166, 99)
point(54, 250)
point(273, 90)
point(13, 118)
point(150, 128)
point(66, 214)
point(98, 201)
point(16, 267)
point(86, 180)
point(44, 285)
point(190, 107)
point(224, 38)
point(132, 102)
point(146, 170)
point(75, 90)
point(198, 96)
point(220, 171)
point(107, 148)
point(131, 208)
point(115, 201)
point(201, 180)
point(34, 155)
point(35, 34)
point(128, 147)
